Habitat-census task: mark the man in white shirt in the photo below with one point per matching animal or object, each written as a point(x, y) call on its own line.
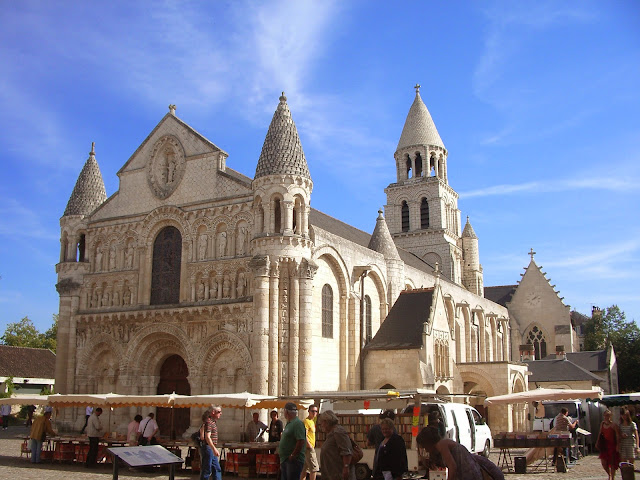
point(148, 430)
point(255, 428)
point(95, 431)
point(5, 411)
point(87, 413)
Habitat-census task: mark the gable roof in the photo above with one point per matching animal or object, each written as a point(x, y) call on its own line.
point(594, 361)
point(501, 294)
point(559, 371)
point(27, 362)
point(403, 327)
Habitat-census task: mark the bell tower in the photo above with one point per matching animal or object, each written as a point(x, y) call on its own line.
point(422, 209)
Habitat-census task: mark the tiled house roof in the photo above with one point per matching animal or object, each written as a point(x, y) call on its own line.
point(27, 362)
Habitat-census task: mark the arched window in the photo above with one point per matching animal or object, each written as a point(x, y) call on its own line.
point(405, 217)
point(536, 338)
point(424, 213)
point(277, 216)
point(81, 247)
point(408, 166)
point(165, 269)
point(367, 319)
point(418, 165)
point(327, 311)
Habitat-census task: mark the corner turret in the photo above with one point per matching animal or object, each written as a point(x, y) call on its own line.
point(472, 277)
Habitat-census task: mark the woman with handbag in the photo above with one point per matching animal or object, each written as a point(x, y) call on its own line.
point(391, 456)
point(628, 437)
point(607, 444)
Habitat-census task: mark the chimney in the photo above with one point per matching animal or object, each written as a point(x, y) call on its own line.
point(596, 312)
point(560, 353)
point(527, 353)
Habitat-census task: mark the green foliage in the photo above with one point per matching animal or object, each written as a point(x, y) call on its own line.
point(10, 387)
point(612, 327)
point(25, 334)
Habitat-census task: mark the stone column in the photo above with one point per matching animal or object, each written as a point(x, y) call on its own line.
point(273, 329)
point(307, 270)
point(482, 330)
point(304, 215)
point(294, 327)
point(272, 218)
point(344, 342)
point(287, 216)
point(260, 347)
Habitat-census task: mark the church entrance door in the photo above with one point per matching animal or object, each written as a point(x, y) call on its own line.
point(173, 378)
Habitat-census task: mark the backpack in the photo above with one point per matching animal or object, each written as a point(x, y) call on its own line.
point(195, 438)
point(357, 452)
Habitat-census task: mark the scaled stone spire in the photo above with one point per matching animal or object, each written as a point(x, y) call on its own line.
point(89, 192)
point(381, 240)
point(282, 152)
point(468, 230)
point(419, 128)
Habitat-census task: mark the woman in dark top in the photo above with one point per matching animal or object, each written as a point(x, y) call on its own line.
point(275, 427)
point(391, 456)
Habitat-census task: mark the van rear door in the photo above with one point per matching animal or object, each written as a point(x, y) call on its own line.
point(464, 427)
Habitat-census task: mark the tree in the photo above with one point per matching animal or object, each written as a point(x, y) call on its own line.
point(25, 334)
point(612, 327)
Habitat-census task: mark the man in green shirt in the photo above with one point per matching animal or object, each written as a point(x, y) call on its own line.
point(292, 443)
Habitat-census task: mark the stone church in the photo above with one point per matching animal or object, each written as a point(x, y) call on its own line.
point(195, 278)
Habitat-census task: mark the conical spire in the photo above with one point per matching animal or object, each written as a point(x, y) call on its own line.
point(282, 152)
point(381, 240)
point(89, 192)
point(468, 231)
point(419, 128)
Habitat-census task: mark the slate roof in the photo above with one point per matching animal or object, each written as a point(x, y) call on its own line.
point(578, 318)
point(500, 294)
point(355, 235)
point(594, 361)
point(282, 151)
point(559, 371)
point(89, 192)
point(419, 128)
point(403, 327)
point(27, 362)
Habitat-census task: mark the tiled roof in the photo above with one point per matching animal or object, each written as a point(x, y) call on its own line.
point(419, 128)
point(282, 152)
point(559, 371)
point(578, 318)
point(468, 230)
point(27, 362)
point(89, 192)
point(594, 361)
point(500, 294)
point(402, 329)
point(381, 240)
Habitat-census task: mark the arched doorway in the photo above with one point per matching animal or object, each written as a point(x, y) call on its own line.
point(173, 378)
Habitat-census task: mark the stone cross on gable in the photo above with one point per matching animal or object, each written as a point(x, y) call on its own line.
point(417, 87)
point(532, 253)
point(172, 109)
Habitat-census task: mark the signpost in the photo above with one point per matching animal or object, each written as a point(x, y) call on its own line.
point(147, 456)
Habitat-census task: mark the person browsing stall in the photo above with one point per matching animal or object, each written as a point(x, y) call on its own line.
point(291, 448)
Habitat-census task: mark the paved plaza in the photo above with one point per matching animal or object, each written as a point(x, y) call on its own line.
point(13, 466)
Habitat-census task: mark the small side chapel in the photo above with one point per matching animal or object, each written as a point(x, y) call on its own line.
point(195, 278)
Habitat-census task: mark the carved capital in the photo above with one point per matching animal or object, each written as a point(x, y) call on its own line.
point(308, 269)
point(259, 265)
point(67, 286)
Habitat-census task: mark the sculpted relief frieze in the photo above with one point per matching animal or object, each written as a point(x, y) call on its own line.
point(166, 166)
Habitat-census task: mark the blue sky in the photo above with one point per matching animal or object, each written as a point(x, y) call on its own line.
point(536, 102)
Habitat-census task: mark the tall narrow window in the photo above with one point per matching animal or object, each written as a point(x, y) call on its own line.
point(367, 319)
point(408, 165)
point(165, 269)
point(418, 165)
point(277, 216)
point(327, 311)
point(405, 217)
point(536, 338)
point(424, 213)
point(81, 247)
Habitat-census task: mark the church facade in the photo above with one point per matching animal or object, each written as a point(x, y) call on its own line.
point(195, 278)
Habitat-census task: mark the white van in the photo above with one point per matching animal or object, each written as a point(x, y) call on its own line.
point(463, 424)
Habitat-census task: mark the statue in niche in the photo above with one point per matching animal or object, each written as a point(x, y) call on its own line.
point(200, 294)
point(98, 259)
point(213, 288)
point(222, 244)
point(95, 299)
point(130, 256)
point(169, 172)
point(116, 299)
point(126, 296)
point(105, 299)
point(112, 257)
point(226, 286)
point(242, 284)
point(240, 241)
point(202, 247)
